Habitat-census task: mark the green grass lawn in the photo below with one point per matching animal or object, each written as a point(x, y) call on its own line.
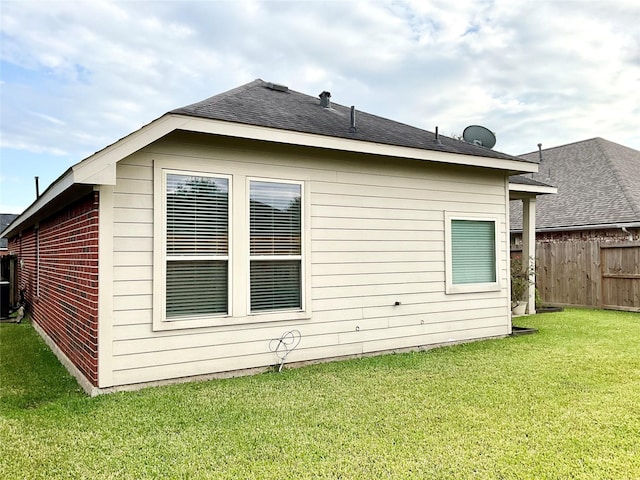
point(563, 403)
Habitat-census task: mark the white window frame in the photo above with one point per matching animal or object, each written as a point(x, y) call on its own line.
point(450, 287)
point(239, 219)
point(160, 320)
point(282, 314)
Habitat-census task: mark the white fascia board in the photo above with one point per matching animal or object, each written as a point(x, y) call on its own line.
point(253, 132)
point(56, 188)
point(100, 168)
point(534, 189)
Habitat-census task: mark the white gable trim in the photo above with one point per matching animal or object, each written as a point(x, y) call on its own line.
point(532, 189)
point(100, 168)
point(58, 187)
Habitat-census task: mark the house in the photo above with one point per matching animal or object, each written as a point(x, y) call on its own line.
point(6, 293)
point(588, 235)
point(185, 248)
point(5, 221)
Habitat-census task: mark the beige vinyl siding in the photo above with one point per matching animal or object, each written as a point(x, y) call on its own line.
point(376, 238)
point(132, 244)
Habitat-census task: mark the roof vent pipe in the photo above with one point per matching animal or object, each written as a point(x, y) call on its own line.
point(437, 139)
point(324, 99)
point(37, 187)
point(353, 128)
point(540, 152)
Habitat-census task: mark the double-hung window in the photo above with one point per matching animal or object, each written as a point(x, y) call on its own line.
point(275, 246)
point(197, 245)
point(472, 254)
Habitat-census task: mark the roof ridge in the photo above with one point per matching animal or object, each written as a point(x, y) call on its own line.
point(635, 207)
point(219, 96)
point(563, 145)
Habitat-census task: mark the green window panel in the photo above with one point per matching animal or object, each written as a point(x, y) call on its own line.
point(473, 251)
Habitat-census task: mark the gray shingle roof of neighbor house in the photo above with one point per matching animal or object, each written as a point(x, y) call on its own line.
point(270, 105)
point(5, 221)
point(598, 185)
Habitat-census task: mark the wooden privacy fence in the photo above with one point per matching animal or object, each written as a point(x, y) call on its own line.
point(588, 273)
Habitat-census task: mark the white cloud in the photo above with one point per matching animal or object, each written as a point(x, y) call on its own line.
point(49, 118)
point(79, 75)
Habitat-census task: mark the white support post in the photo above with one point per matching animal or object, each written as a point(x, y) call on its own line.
point(529, 249)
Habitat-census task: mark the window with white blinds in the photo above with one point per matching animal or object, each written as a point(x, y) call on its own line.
point(473, 251)
point(197, 245)
point(275, 245)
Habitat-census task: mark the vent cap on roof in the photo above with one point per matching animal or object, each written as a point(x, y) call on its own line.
point(277, 87)
point(325, 101)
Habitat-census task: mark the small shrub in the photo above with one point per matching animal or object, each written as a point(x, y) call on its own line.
point(520, 280)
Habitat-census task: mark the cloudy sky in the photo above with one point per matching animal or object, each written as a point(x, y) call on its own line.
point(78, 75)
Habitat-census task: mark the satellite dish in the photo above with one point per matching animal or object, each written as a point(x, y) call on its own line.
point(479, 136)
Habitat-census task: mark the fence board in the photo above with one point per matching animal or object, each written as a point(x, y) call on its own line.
point(621, 277)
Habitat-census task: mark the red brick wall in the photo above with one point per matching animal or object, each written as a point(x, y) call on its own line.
point(62, 287)
point(609, 235)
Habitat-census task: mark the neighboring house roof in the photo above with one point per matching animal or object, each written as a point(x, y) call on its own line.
point(598, 185)
point(263, 111)
point(5, 221)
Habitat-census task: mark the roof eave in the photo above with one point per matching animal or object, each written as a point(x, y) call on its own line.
point(100, 168)
point(519, 188)
point(97, 169)
point(62, 184)
point(253, 132)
